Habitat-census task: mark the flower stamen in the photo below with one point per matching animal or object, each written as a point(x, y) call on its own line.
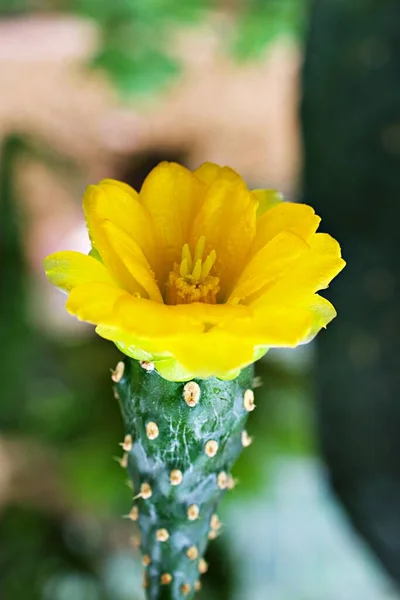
point(199, 250)
point(191, 280)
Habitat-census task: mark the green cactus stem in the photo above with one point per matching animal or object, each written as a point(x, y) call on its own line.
point(181, 441)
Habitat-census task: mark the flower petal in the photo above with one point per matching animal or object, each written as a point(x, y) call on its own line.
point(270, 263)
point(312, 273)
point(212, 354)
point(97, 209)
point(133, 258)
point(227, 220)
point(117, 202)
point(68, 269)
point(169, 329)
point(273, 326)
point(286, 216)
point(212, 314)
point(146, 319)
point(128, 343)
point(94, 303)
point(171, 194)
point(323, 309)
point(209, 172)
point(323, 313)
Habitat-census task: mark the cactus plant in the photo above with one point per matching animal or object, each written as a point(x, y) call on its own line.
point(181, 441)
point(193, 278)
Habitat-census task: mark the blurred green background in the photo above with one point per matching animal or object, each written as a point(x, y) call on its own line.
point(302, 96)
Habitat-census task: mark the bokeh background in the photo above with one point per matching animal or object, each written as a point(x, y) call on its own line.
point(299, 95)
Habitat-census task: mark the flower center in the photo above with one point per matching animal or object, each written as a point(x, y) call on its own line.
point(191, 280)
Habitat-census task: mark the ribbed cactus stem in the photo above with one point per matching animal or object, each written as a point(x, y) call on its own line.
point(181, 441)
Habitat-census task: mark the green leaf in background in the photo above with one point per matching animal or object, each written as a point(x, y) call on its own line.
point(139, 73)
point(141, 11)
point(9, 7)
point(135, 49)
point(135, 40)
point(262, 22)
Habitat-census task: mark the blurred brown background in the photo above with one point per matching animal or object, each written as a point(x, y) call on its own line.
point(295, 95)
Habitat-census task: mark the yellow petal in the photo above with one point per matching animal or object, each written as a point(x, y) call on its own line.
point(133, 258)
point(267, 199)
point(286, 216)
point(273, 326)
point(94, 303)
point(135, 219)
point(171, 194)
point(227, 220)
point(124, 187)
point(146, 319)
point(96, 206)
point(270, 263)
point(322, 308)
point(107, 202)
point(323, 313)
point(209, 172)
point(170, 327)
point(117, 202)
point(212, 354)
point(138, 348)
point(68, 269)
point(311, 273)
point(212, 314)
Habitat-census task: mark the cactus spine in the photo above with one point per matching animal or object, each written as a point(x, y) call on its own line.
point(181, 441)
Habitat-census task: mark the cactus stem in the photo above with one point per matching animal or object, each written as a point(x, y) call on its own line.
point(184, 440)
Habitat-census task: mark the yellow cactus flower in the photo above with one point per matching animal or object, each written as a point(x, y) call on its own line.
point(197, 273)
